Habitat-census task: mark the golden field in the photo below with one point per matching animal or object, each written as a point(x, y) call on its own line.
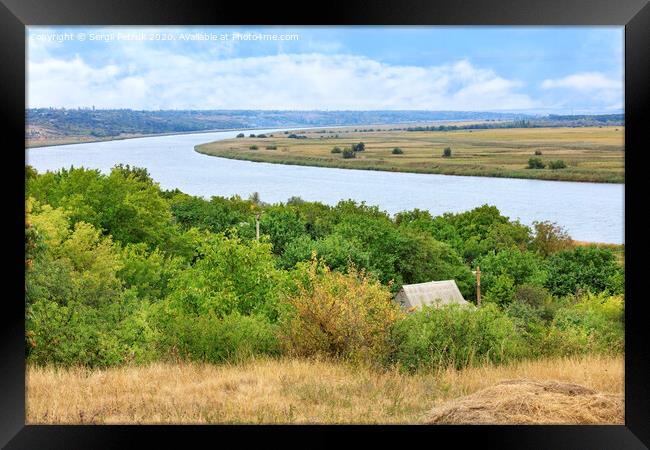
point(267, 391)
point(591, 153)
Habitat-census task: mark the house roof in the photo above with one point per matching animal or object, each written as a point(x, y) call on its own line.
point(434, 292)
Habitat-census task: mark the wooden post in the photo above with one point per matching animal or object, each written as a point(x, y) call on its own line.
point(257, 226)
point(478, 285)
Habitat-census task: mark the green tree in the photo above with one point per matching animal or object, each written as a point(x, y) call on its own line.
point(584, 268)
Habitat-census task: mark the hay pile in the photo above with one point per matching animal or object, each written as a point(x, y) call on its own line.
point(531, 402)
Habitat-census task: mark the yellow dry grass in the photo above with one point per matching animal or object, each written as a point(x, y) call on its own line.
point(281, 391)
point(590, 153)
point(532, 402)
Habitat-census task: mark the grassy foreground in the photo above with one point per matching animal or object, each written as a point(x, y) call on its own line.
point(286, 391)
point(592, 154)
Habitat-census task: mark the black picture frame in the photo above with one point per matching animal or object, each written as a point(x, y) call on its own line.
point(15, 15)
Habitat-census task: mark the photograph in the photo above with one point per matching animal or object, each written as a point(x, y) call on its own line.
point(378, 224)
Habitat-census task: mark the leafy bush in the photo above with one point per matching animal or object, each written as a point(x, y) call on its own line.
point(554, 165)
point(397, 151)
point(530, 294)
point(240, 135)
point(271, 147)
point(338, 315)
point(336, 150)
point(535, 163)
point(550, 238)
point(446, 153)
point(229, 276)
point(359, 147)
point(538, 153)
point(453, 335)
point(594, 324)
point(348, 153)
point(253, 147)
point(210, 338)
point(584, 268)
point(334, 250)
point(507, 269)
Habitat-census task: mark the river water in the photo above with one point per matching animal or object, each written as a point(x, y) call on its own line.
point(589, 211)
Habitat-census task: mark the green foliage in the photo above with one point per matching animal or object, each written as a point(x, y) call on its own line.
point(282, 225)
point(594, 324)
point(209, 337)
point(453, 335)
point(446, 153)
point(125, 204)
point(559, 164)
point(335, 251)
point(584, 268)
point(348, 153)
point(336, 150)
point(531, 294)
point(229, 276)
point(119, 272)
point(397, 151)
point(550, 238)
point(241, 135)
point(253, 147)
point(359, 147)
point(503, 271)
point(535, 163)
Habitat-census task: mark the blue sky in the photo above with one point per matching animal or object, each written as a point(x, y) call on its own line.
point(532, 69)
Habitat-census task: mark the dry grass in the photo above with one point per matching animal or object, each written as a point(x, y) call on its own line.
point(591, 153)
point(280, 391)
point(532, 402)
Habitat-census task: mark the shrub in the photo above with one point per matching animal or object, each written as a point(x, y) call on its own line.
point(348, 153)
point(261, 135)
point(336, 150)
point(359, 147)
point(532, 295)
point(453, 335)
point(253, 147)
point(535, 163)
point(584, 268)
point(554, 165)
point(214, 339)
point(538, 153)
point(240, 135)
point(398, 151)
point(594, 324)
point(513, 264)
point(338, 315)
point(251, 135)
point(550, 238)
point(271, 147)
point(446, 153)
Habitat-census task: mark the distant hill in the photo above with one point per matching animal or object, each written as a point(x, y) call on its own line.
point(90, 124)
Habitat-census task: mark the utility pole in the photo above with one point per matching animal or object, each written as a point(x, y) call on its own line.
point(478, 285)
point(257, 226)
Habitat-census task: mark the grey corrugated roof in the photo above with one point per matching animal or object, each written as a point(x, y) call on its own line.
point(434, 292)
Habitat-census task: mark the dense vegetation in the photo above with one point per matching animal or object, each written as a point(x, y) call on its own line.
point(594, 154)
point(119, 271)
point(113, 122)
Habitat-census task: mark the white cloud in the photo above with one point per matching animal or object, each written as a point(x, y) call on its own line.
point(586, 82)
point(588, 88)
point(158, 79)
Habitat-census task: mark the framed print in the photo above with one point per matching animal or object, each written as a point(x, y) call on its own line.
point(258, 221)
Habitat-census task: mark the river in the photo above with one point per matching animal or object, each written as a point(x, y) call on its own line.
point(588, 211)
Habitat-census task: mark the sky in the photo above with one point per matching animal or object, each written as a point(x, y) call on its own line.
point(559, 70)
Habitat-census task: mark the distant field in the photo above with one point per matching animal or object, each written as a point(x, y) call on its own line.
point(295, 391)
point(593, 154)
